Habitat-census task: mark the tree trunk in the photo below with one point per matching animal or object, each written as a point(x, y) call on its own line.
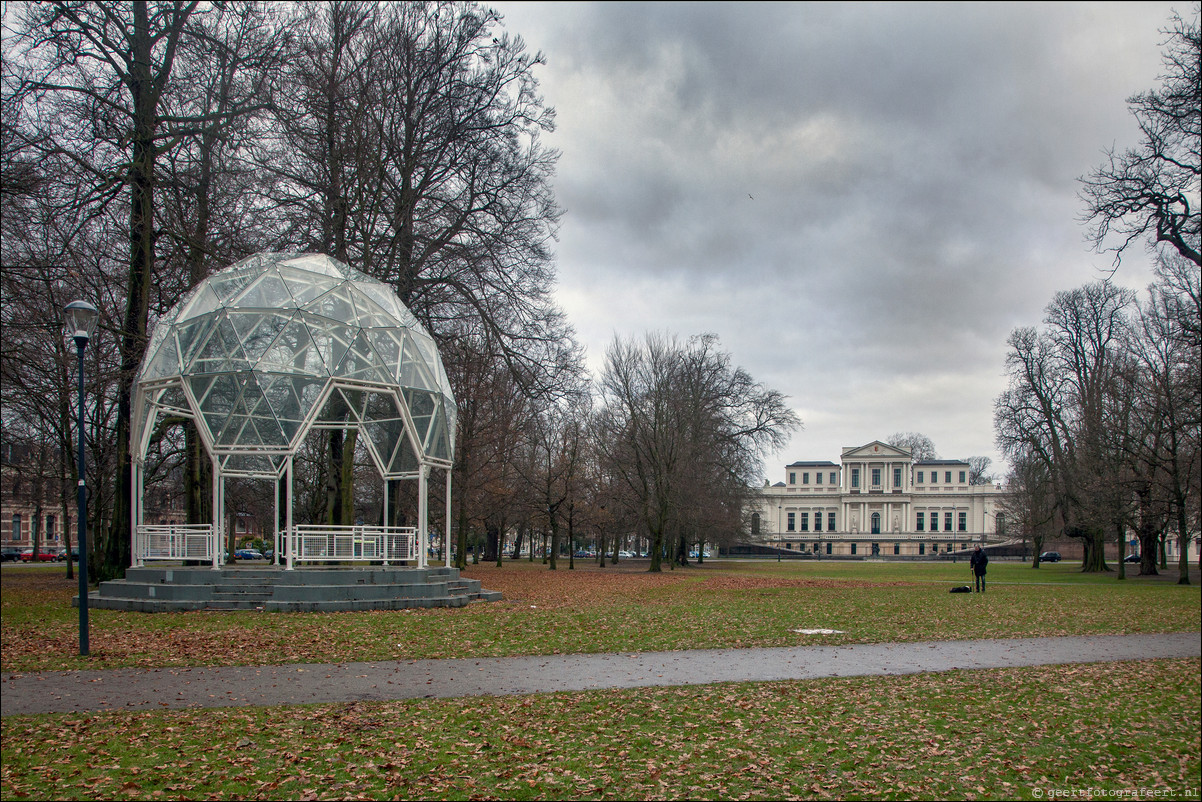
point(114, 551)
point(517, 543)
point(346, 479)
point(1122, 551)
point(492, 537)
point(461, 535)
point(1183, 537)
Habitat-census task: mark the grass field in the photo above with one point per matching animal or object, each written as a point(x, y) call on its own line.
point(1104, 730)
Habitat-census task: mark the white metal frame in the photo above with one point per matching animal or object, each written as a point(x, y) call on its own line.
point(143, 534)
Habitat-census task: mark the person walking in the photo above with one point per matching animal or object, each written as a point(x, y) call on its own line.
point(977, 562)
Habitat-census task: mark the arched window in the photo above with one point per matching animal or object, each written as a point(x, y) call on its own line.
point(876, 523)
point(755, 523)
point(1001, 524)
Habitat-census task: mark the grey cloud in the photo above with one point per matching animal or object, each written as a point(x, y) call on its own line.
point(913, 168)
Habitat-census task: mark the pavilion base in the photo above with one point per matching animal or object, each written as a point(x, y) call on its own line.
point(317, 589)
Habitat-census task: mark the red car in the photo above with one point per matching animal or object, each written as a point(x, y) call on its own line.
point(44, 555)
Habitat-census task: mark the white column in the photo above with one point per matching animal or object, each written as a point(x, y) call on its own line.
point(275, 523)
point(216, 513)
point(447, 534)
point(289, 535)
point(135, 515)
point(387, 522)
point(423, 513)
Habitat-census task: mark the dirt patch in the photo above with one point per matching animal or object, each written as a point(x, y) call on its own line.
point(764, 583)
point(581, 587)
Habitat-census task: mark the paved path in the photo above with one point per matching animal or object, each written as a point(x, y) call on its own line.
point(165, 688)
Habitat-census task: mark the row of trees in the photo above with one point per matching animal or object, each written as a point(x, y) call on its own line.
point(1102, 419)
point(147, 144)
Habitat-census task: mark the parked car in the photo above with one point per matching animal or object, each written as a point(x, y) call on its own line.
point(1131, 558)
point(44, 555)
point(248, 554)
point(10, 555)
point(1050, 557)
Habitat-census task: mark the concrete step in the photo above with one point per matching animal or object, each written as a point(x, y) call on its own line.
point(309, 588)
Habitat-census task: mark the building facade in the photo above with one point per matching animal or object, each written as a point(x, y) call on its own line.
point(31, 498)
point(878, 502)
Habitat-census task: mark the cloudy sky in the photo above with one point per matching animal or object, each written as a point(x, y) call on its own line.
point(861, 200)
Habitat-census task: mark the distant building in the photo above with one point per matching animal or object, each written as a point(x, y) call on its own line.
point(31, 498)
point(877, 501)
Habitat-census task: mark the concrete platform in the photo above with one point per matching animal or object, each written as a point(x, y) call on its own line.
point(272, 588)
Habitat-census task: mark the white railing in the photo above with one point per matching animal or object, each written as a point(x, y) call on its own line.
point(176, 541)
point(383, 544)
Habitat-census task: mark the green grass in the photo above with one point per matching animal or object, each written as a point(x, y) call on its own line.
point(1019, 733)
point(588, 610)
point(998, 734)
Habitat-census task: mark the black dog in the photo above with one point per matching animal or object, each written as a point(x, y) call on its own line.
point(961, 589)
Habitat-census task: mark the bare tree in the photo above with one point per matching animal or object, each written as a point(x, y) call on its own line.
point(1029, 503)
point(1150, 192)
point(108, 84)
point(408, 145)
point(1168, 361)
point(1054, 409)
point(677, 420)
point(978, 471)
point(919, 445)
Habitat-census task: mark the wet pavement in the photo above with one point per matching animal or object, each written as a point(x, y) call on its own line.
point(167, 688)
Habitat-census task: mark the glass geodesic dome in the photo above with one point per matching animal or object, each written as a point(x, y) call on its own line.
point(263, 351)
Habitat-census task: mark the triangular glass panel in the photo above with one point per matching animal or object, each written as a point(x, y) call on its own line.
point(172, 399)
point(361, 362)
point(331, 339)
point(222, 351)
point(335, 306)
point(162, 357)
point(193, 336)
point(382, 406)
point(216, 400)
point(437, 426)
point(268, 292)
point(387, 343)
point(385, 299)
point(304, 286)
point(414, 372)
point(355, 401)
point(438, 446)
point(253, 335)
point(404, 458)
point(251, 464)
point(368, 313)
point(292, 350)
point(203, 301)
point(228, 283)
point(315, 263)
point(334, 410)
point(281, 392)
point(236, 432)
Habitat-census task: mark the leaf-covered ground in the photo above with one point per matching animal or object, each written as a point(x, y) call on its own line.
point(1115, 728)
point(588, 610)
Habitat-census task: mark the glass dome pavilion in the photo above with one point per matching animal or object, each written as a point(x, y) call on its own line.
point(263, 352)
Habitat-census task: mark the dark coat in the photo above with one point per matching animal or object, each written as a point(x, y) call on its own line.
point(978, 562)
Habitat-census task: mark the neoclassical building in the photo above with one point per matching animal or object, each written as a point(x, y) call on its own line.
point(877, 501)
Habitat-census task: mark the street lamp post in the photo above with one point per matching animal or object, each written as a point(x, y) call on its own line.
point(81, 323)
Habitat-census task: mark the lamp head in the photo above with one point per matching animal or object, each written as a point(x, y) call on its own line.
point(81, 321)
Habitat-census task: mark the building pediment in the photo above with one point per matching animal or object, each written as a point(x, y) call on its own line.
point(875, 450)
